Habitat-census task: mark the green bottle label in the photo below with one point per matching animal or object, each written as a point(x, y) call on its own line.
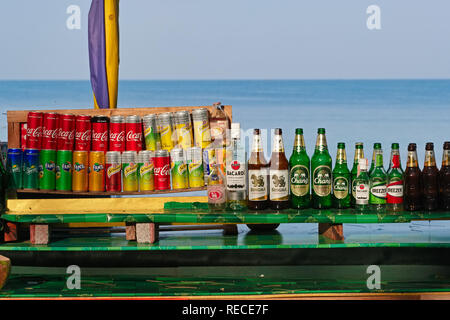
point(378, 191)
point(299, 176)
point(340, 187)
point(322, 181)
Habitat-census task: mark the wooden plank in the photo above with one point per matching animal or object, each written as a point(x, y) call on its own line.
point(13, 134)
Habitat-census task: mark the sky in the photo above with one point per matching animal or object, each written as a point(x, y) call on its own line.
point(233, 39)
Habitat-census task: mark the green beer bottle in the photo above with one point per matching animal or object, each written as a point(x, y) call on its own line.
point(378, 183)
point(321, 173)
point(359, 154)
point(299, 166)
point(376, 149)
point(341, 179)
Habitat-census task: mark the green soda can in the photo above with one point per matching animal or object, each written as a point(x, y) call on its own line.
point(30, 169)
point(146, 170)
point(179, 170)
point(195, 167)
point(129, 169)
point(152, 140)
point(14, 167)
point(47, 169)
point(64, 170)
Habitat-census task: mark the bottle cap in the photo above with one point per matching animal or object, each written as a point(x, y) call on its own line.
point(359, 145)
point(395, 146)
point(377, 145)
point(256, 131)
point(447, 145)
point(321, 131)
point(299, 131)
point(341, 145)
point(429, 146)
point(278, 131)
point(412, 147)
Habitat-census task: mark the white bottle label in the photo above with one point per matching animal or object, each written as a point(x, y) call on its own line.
point(236, 175)
point(362, 193)
point(279, 185)
point(257, 185)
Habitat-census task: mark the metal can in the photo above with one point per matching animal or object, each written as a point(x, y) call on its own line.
point(146, 170)
point(113, 170)
point(23, 135)
point(152, 139)
point(208, 160)
point(49, 131)
point(133, 133)
point(165, 129)
point(129, 169)
point(117, 133)
point(83, 133)
point(161, 162)
point(100, 129)
point(183, 128)
point(30, 169)
point(47, 169)
point(66, 132)
point(195, 167)
point(179, 170)
point(202, 132)
point(80, 163)
point(14, 160)
point(64, 170)
point(34, 130)
point(96, 171)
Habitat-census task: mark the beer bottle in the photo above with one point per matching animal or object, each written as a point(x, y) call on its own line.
point(258, 173)
point(321, 173)
point(236, 179)
point(362, 182)
point(430, 181)
point(376, 150)
point(299, 173)
point(378, 182)
point(444, 178)
point(359, 154)
point(413, 181)
point(394, 192)
point(279, 174)
point(341, 179)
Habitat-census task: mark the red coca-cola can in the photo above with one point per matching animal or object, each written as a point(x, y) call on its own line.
point(117, 133)
point(162, 169)
point(66, 132)
point(23, 136)
point(133, 133)
point(50, 131)
point(34, 130)
point(100, 129)
point(83, 133)
point(113, 169)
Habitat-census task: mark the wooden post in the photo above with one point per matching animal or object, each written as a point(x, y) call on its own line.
point(39, 233)
point(332, 231)
point(147, 232)
point(5, 268)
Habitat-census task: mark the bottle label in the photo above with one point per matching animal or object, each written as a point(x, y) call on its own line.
point(279, 185)
point(378, 191)
point(216, 194)
point(236, 178)
point(354, 189)
point(322, 181)
point(395, 191)
point(362, 193)
point(340, 187)
point(299, 180)
point(257, 190)
point(278, 145)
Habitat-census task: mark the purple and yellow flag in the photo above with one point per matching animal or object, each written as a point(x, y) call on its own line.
point(103, 33)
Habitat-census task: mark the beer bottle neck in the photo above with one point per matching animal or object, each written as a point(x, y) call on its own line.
point(321, 142)
point(299, 143)
point(412, 159)
point(257, 145)
point(341, 157)
point(359, 154)
point(430, 160)
point(278, 145)
point(379, 160)
point(395, 159)
point(446, 158)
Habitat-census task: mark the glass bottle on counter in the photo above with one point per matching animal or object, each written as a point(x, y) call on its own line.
point(258, 174)
point(278, 174)
point(299, 173)
point(321, 175)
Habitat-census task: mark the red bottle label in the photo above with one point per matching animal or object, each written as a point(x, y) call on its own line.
point(395, 192)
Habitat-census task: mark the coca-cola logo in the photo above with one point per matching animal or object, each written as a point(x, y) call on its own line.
point(235, 165)
point(100, 136)
point(117, 136)
point(134, 136)
point(83, 135)
point(66, 135)
point(36, 132)
point(162, 171)
point(49, 133)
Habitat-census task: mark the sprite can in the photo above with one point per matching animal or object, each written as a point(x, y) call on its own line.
point(14, 167)
point(30, 169)
point(179, 170)
point(47, 169)
point(146, 170)
point(64, 170)
point(129, 169)
point(195, 167)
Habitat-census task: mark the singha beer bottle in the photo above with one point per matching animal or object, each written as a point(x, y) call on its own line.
point(430, 181)
point(321, 173)
point(341, 179)
point(444, 178)
point(362, 182)
point(376, 150)
point(258, 173)
point(394, 192)
point(413, 181)
point(359, 154)
point(299, 166)
point(236, 179)
point(378, 183)
point(278, 174)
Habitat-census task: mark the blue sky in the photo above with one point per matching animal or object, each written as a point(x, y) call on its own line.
point(234, 39)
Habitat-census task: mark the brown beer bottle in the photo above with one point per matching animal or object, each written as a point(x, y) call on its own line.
point(413, 181)
point(430, 175)
point(278, 174)
point(258, 174)
point(444, 178)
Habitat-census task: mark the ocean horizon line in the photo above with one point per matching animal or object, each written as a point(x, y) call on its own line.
point(236, 79)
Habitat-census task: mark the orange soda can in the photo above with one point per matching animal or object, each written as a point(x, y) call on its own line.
point(80, 163)
point(96, 171)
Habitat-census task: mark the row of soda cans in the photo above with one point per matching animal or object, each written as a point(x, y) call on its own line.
point(54, 131)
point(97, 171)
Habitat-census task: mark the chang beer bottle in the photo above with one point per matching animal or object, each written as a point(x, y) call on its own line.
point(341, 179)
point(321, 173)
point(378, 183)
point(376, 150)
point(299, 166)
point(359, 154)
point(394, 192)
point(362, 182)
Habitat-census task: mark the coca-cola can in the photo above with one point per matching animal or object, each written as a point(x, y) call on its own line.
point(66, 132)
point(117, 133)
point(133, 130)
point(50, 131)
point(162, 169)
point(34, 130)
point(100, 129)
point(83, 133)
point(23, 135)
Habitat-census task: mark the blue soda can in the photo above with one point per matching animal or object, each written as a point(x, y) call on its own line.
point(30, 169)
point(14, 167)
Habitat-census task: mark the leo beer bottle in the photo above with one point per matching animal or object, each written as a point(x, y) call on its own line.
point(430, 175)
point(258, 173)
point(444, 178)
point(299, 172)
point(394, 192)
point(278, 174)
point(413, 181)
point(321, 173)
point(359, 154)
